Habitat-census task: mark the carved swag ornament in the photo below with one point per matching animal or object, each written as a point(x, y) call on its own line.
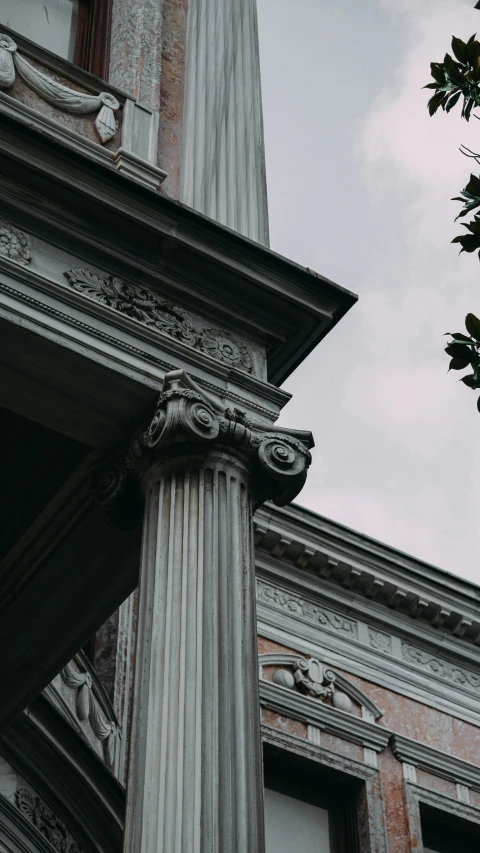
point(55, 93)
point(187, 416)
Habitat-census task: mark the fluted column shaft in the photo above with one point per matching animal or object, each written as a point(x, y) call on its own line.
point(195, 779)
point(195, 770)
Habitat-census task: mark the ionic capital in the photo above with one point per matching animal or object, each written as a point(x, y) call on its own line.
point(188, 420)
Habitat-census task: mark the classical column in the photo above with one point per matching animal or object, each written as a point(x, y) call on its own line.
point(195, 772)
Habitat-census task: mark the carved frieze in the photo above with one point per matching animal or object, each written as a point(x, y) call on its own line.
point(14, 244)
point(55, 93)
point(147, 308)
point(306, 610)
point(443, 669)
point(45, 821)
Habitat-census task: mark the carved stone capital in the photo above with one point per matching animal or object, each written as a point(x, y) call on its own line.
point(188, 420)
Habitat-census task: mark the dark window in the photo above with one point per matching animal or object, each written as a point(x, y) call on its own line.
point(309, 808)
point(445, 833)
point(77, 30)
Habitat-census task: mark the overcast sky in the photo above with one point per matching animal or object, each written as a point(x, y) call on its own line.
point(359, 182)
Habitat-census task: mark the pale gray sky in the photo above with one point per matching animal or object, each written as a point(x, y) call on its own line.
point(359, 182)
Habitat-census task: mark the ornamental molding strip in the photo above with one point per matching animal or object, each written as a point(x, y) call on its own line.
point(45, 821)
point(88, 708)
point(190, 420)
point(14, 244)
point(369, 570)
point(441, 668)
point(306, 610)
point(435, 761)
point(140, 304)
point(282, 659)
point(342, 724)
point(60, 96)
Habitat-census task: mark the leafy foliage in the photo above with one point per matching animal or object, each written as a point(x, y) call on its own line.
point(464, 351)
point(456, 77)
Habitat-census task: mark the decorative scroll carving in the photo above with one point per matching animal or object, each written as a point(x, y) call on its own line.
point(443, 669)
point(309, 676)
point(14, 244)
point(145, 307)
point(45, 821)
point(278, 459)
point(55, 93)
point(305, 610)
point(88, 709)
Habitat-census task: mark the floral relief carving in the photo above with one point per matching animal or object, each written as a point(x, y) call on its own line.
point(14, 244)
point(145, 307)
point(225, 347)
point(305, 610)
point(45, 821)
point(380, 641)
point(56, 93)
point(441, 668)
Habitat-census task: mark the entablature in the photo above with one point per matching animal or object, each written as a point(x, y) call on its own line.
point(303, 604)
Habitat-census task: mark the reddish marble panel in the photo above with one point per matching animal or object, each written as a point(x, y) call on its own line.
point(284, 724)
point(268, 646)
point(172, 85)
point(399, 840)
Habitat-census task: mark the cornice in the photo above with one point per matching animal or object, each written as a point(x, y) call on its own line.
point(112, 223)
point(358, 567)
point(311, 712)
point(435, 761)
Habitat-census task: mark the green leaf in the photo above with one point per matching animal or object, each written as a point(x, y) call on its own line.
point(458, 363)
point(472, 325)
point(452, 101)
point(459, 49)
point(468, 242)
point(435, 102)
point(459, 336)
point(469, 381)
point(472, 49)
point(437, 72)
point(458, 350)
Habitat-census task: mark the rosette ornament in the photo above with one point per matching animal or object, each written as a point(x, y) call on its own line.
point(188, 420)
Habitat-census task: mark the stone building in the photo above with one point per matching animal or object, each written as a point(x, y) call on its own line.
point(146, 330)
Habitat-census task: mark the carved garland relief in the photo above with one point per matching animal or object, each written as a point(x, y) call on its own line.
point(145, 307)
point(55, 93)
